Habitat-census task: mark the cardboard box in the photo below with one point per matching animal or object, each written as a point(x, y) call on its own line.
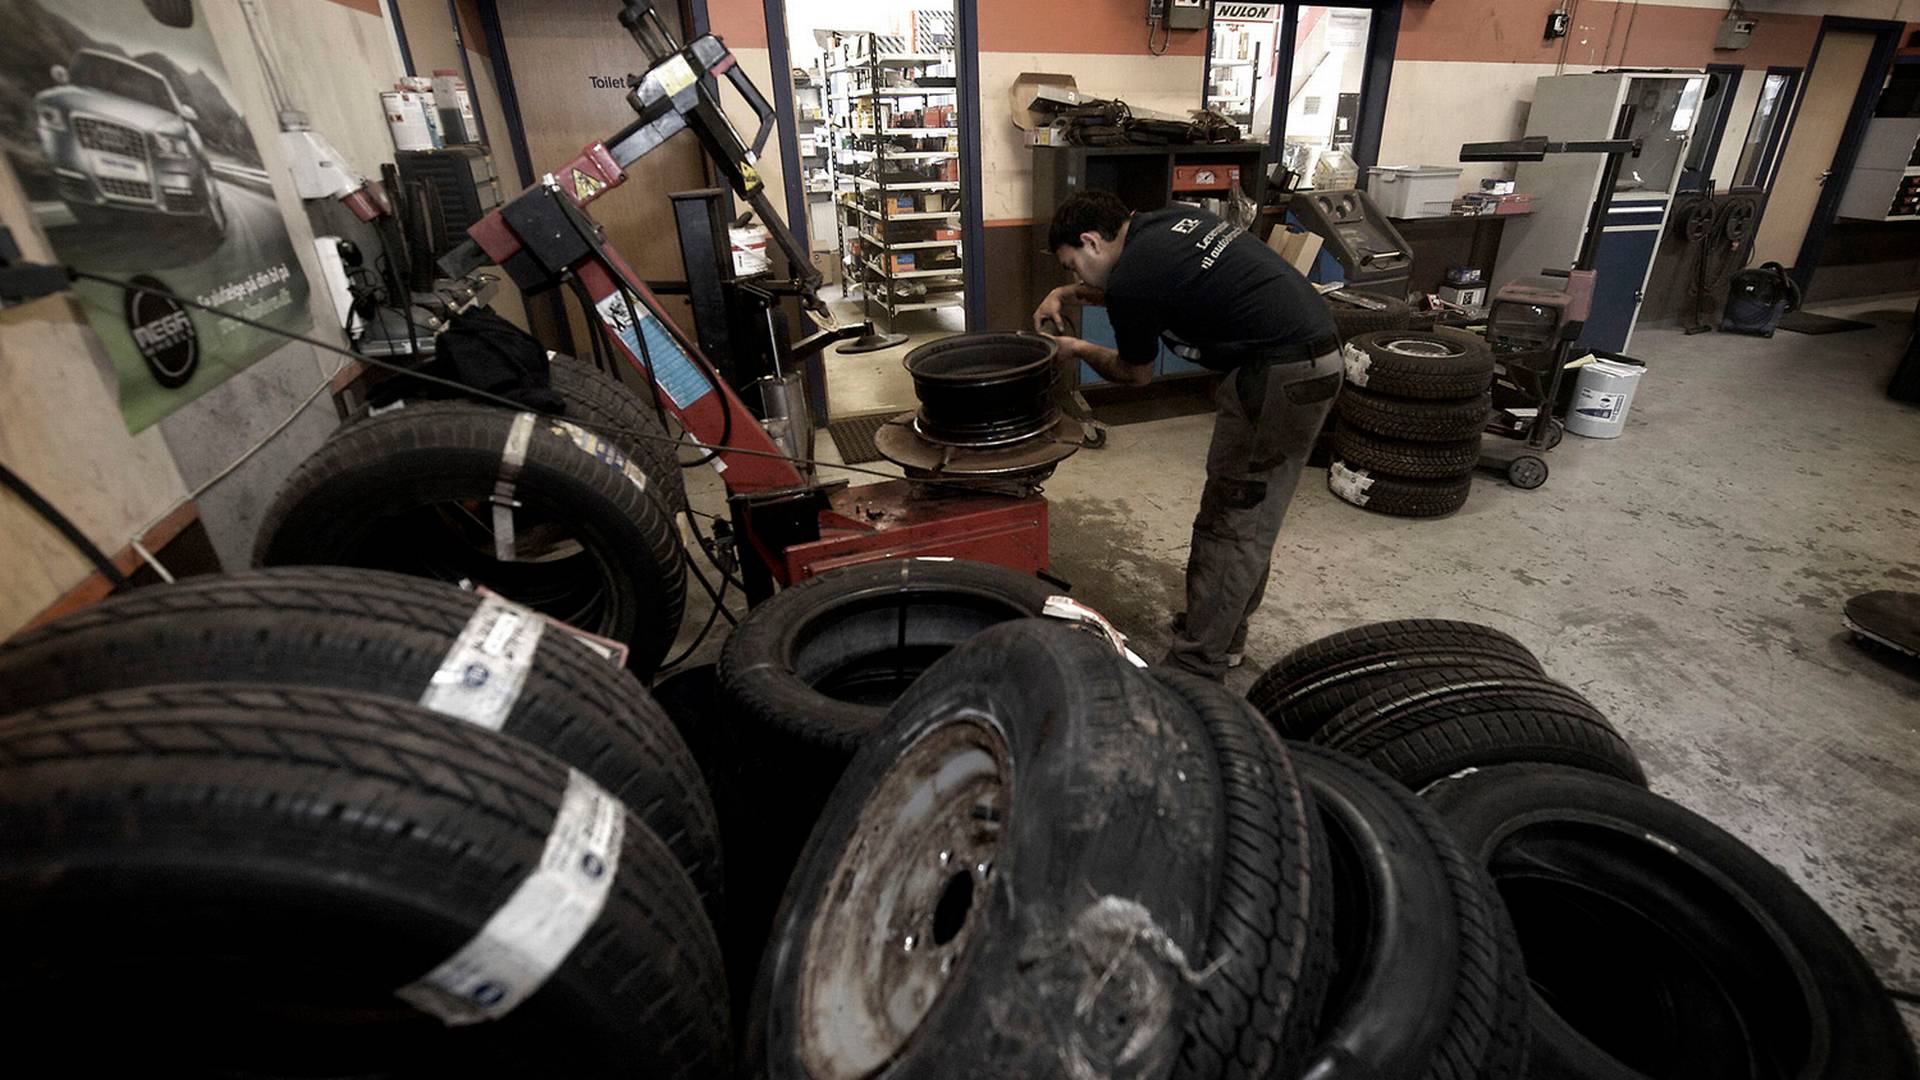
point(946, 233)
point(933, 201)
point(1041, 88)
point(902, 262)
point(1055, 135)
point(900, 204)
point(1298, 248)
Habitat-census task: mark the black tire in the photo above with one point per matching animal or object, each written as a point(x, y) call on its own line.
point(1435, 723)
point(1303, 709)
point(1427, 986)
point(821, 662)
point(1398, 496)
point(1078, 804)
point(175, 13)
point(1659, 945)
point(1418, 421)
point(282, 861)
point(1382, 640)
point(1273, 920)
point(1399, 457)
point(1349, 321)
point(410, 491)
point(343, 629)
point(1428, 364)
point(597, 399)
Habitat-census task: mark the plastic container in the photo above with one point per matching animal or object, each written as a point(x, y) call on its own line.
point(750, 250)
point(1601, 397)
point(1413, 191)
point(1333, 170)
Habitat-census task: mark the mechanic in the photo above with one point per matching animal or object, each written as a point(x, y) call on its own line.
point(1226, 301)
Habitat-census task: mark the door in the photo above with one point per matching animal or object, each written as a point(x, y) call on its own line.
point(1825, 106)
point(571, 66)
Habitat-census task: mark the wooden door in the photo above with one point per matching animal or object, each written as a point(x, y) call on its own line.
point(570, 61)
point(1832, 86)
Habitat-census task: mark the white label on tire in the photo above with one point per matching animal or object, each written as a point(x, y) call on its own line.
point(1357, 362)
point(1349, 483)
point(599, 449)
point(483, 673)
point(528, 939)
point(1066, 607)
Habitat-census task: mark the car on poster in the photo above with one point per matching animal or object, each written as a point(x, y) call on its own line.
point(136, 156)
point(122, 142)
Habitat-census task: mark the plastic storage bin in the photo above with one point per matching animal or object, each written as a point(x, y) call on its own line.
point(1412, 191)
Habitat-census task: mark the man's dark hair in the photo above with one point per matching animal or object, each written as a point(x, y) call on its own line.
point(1087, 212)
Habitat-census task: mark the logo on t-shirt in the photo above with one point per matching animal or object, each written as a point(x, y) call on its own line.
point(1186, 225)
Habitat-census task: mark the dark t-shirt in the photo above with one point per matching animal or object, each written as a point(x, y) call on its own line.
point(1210, 284)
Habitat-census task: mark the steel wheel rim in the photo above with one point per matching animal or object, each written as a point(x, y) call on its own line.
point(902, 905)
point(1422, 348)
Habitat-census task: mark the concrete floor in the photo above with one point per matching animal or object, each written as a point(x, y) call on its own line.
point(1688, 578)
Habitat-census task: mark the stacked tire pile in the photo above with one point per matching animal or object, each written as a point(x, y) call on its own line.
point(1407, 433)
point(323, 821)
point(538, 508)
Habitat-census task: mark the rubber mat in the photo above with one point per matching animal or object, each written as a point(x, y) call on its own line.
point(854, 435)
point(1806, 322)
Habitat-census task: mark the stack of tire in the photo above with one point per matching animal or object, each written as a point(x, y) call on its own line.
point(975, 820)
point(573, 515)
point(1352, 320)
point(315, 820)
point(1407, 432)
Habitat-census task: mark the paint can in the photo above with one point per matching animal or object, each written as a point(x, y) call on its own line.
point(749, 250)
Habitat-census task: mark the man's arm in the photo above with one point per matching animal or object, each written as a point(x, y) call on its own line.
point(1107, 362)
point(1066, 294)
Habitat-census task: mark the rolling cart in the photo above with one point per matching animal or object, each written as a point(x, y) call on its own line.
point(1532, 327)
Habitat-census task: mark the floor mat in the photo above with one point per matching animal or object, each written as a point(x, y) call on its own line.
point(1806, 322)
point(854, 435)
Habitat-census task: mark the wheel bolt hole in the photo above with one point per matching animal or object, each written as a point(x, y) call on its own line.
point(950, 914)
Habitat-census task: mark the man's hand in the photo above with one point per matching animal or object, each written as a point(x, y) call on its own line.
point(1049, 309)
point(1072, 348)
point(1106, 362)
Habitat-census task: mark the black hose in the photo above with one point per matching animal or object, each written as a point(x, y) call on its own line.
point(64, 525)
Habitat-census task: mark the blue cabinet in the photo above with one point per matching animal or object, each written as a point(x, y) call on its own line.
point(1098, 329)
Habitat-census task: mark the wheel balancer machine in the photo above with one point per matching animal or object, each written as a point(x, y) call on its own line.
point(791, 525)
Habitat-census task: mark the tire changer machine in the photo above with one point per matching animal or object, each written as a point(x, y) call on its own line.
point(964, 501)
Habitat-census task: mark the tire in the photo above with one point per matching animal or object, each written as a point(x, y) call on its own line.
point(597, 399)
point(1273, 922)
point(1398, 457)
point(1417, 421)
point(282, 861)
point(1301, 711)
point(1436, 723)
point(821, 662)
point(339, 629)
point(410, 491)
point(1693, 955)
point(1427, 364)
point(1397, 496)
point(1428, 986)
point(1079, 801)
point(1349, 321)
point(1382, 640)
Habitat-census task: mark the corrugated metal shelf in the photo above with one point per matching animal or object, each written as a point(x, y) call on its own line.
point(891, 60)
point(903, 275)
point(869, 184)
point(905, 155)
point(924, 215)
point(921, 133)
point(900, 91)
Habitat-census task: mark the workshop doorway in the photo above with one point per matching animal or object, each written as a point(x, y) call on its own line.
point(881, 119)
point(1308, 80)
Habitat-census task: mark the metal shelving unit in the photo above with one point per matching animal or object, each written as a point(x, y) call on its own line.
point(1236, 107)
point(886, 173)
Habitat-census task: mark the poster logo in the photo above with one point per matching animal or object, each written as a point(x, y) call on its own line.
point(163, 333)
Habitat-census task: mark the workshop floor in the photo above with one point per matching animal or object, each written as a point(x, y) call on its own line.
point(1688, 578)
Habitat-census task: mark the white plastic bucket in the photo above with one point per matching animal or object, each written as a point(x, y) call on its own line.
point(1413, 191)
point(1601, 396)
point(749, 250)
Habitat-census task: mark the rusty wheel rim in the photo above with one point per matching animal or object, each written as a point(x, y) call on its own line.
point(901, 906)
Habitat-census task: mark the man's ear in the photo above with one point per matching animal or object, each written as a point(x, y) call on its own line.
point(1093, 241)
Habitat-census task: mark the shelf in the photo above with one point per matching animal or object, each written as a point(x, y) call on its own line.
point(918, 133)
point(1232, 63)
point(869, 184)
point(905, 155)
point(896, 92)
point(926, 305)
point(910, 245)
point(893, 60)
point(924, 215)
point(903, 275)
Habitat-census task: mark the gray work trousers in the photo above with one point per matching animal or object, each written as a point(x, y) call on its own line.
point(1269, 415)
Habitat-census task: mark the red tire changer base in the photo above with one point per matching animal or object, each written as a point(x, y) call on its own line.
point(791, 525)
